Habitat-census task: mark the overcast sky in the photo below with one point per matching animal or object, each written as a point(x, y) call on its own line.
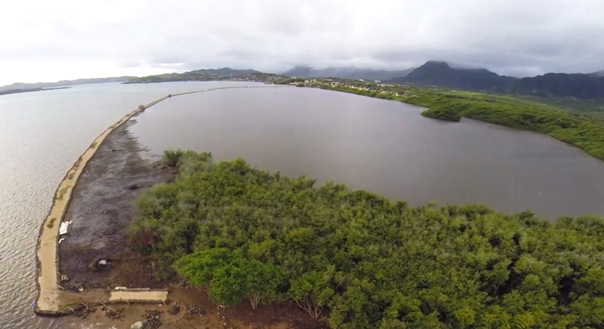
point(42, 40)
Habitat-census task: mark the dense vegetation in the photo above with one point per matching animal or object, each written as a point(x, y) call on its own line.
point(577, 128)
point(364, 261)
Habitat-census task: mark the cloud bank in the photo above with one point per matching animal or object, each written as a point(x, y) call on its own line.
point(64, 39)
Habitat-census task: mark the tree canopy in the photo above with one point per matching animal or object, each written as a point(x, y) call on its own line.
point(363, 261)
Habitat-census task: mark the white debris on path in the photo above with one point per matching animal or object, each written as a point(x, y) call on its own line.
point(64, 229)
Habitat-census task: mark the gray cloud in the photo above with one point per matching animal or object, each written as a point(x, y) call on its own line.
point(151, 36)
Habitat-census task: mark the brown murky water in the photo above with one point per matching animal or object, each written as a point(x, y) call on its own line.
point(382, 146)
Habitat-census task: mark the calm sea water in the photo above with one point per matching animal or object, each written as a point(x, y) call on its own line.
point(382, 146)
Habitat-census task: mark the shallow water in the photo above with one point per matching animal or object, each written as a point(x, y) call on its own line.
point(382, 146)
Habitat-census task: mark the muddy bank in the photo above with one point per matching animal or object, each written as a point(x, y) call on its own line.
point(102, 208)
point(191, 308)
point(49, 301)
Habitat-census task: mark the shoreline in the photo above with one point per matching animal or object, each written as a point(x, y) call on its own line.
point(101, 210)
point(21, 91)
point(47, 261)
point(52, 300)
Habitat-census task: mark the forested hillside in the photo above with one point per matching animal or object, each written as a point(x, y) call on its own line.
point(224, 73)
point(440, 74)
point(363, 261)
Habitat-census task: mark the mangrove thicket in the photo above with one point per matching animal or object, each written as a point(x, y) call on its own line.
point(361, 260)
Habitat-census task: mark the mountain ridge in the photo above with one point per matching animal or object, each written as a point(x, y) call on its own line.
point(441, 74)
point(598, 74)
point(432, 73)
point(224, 73)
point(345, 72)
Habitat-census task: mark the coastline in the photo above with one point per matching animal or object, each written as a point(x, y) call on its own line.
point(31, 90)
point(51, 299)
point(102, 208)
point(47, 262)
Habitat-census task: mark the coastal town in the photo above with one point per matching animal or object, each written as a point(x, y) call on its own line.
point(375, 88)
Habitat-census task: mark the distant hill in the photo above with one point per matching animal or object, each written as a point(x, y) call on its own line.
point(440, 74)
point(345, 73)
point(598, 74)
point(224, 73)
point(560, 85)
point(24, 87)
